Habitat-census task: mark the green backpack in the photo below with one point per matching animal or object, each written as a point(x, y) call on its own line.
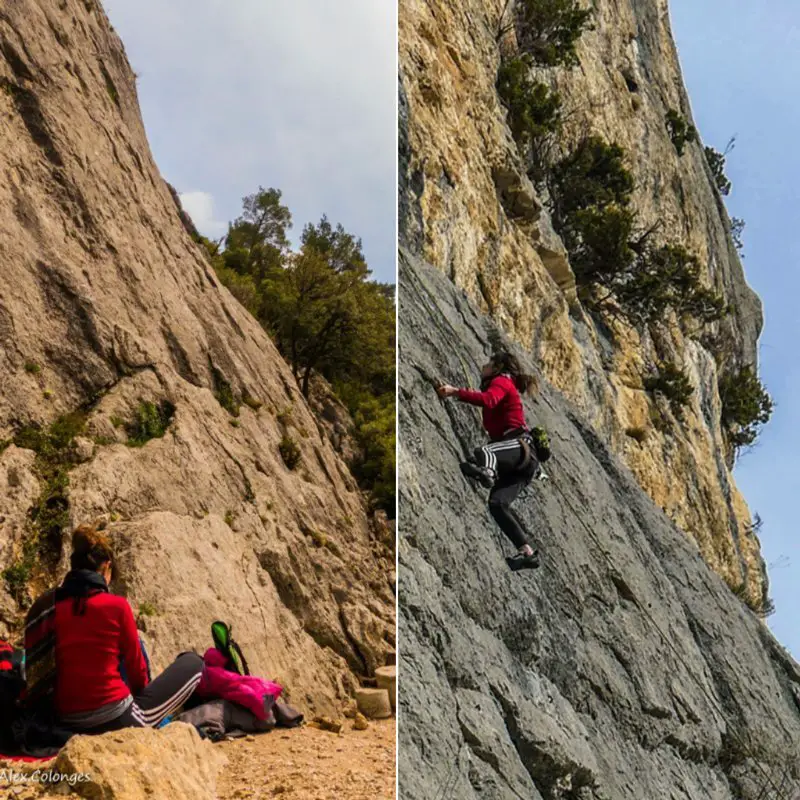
point(225, 643)
point(541, 444)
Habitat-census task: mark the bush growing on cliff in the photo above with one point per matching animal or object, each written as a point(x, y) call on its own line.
point(716, 162)
point(290, 451)
point(534, 112)
point(593, 174)
point(668, 277)
point(548, 30)
point(746, 405)
point(674, 384)
point(590, 193)
point(590, 190)
point(680, 131)
point(49, 517)
point(150, 421)
point(737, 229)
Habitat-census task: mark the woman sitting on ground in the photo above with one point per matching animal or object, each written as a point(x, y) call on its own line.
point(79, 639)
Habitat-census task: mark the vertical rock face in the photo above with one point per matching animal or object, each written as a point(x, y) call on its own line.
point(623, 669)
point(109, 314)
point(468, 208)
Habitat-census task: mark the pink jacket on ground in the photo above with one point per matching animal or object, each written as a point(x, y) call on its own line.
point(245, 690)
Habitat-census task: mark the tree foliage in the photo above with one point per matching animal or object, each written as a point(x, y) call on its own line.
point(737, 229)
point(716, 162)
point(534, 112)
point(674, 384)
point(548, 30)
point(325, 315)
point(590, 191)
point(746, 405)
point(680, 130)
point(668, 277)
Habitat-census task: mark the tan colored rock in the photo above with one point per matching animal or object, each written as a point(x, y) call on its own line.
point(471, 213)
point(327, 724)
point(360, 722)
point(387, 679)
point(350, 709)
point(84, 448)
point(140, 763)
point(103, 288)
point(374, 703)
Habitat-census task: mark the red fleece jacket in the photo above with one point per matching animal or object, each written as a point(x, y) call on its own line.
point(88, 651)
point(501, 403)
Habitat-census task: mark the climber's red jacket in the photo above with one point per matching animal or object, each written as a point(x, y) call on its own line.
point(89, 649)
point(501, 403)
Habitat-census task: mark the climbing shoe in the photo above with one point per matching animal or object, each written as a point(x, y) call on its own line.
point(520, 561)
point(483, 475)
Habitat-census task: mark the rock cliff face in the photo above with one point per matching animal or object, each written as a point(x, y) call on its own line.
point(114, 330)
point(468, 208)
point(623, 669)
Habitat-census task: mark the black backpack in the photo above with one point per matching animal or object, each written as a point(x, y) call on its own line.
point(225, 643)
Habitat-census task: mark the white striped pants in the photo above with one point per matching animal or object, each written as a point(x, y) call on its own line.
point(162, 696)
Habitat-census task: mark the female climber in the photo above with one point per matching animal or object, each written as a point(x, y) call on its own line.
point(508, 463)
point(82, 641)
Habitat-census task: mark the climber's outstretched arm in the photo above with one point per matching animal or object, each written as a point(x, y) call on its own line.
point(491, 398)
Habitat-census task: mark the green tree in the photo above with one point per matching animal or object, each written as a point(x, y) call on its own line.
point(256, 244)
point(310, 312)
point(716, 163)
point(374, 416)
point(593, 174)
point(668, 277)
point(534, 112)
point(325, 315)
point(680, 131)
point(746, 405)
point(548, 30)
point(340, 249)
point(674, 384)
point(737, 229)
point(590, 190)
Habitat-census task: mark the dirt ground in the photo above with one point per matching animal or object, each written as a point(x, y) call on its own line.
point(301, 764)
point(310, 764)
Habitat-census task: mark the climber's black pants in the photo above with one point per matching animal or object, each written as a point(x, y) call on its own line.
point(163, 695)
point(504, 458)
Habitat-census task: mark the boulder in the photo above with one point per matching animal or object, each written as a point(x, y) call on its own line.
point(387, 679)
point(142, 764)
point(374, 703)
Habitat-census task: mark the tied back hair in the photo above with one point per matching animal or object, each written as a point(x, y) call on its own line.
point(91, 548)
point(507, 363)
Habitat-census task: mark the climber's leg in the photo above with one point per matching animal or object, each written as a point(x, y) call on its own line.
point(500, 499)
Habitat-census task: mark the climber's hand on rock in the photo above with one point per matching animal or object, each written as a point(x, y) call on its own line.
point(445, 390)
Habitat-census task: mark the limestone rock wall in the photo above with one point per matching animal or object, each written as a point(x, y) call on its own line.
point(468, 209)
point(623, 669)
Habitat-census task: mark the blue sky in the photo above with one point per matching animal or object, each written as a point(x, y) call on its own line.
point(298, 95)
point(741, 63)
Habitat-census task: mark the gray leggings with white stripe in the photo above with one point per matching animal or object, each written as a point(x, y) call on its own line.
point(504, 459)
point(163, 695)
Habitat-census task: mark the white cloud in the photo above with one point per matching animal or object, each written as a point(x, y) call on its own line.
point(200, 207)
